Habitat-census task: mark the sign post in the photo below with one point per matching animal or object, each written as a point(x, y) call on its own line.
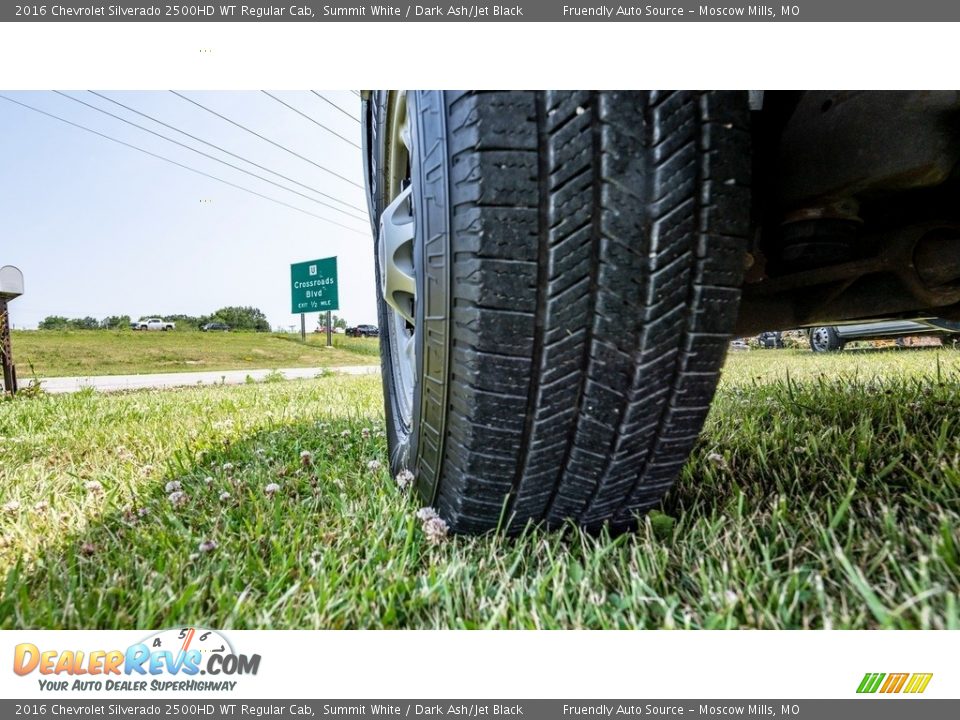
point(11, 286)
point(314, 288)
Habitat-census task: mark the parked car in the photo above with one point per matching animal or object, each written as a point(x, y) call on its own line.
point(153, 324)
point(215, 327)
point(832, 338)
point(363, 331)
point(559, 273)
point(770, 340)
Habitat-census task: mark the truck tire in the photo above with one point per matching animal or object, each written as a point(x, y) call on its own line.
point(558, 276)
point(825, 339)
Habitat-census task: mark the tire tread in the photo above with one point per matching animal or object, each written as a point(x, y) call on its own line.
point(597, 256)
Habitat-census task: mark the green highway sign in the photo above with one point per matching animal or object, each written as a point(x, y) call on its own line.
point(313, 286)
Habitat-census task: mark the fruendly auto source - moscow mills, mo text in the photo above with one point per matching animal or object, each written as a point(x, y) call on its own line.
point(625, 11)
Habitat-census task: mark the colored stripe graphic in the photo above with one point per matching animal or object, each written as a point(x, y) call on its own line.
point(918, 682)
point(870, 682)
point(894, 683)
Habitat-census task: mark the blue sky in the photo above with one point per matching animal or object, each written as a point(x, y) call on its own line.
point(100, 229)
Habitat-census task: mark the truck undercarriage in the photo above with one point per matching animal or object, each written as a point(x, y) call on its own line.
point(855, 206)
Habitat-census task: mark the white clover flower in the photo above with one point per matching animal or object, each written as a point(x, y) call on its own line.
point(224, 496)
point(208, 480)
point(40, 506)
point(93, 487)
point(718, 460)
point(433, 525)
point(374, 466)
point(436, 530)
point(12, 507)
point(227, 467)
point(272, 489)
point(306, 457)
point(345, 433)
point(172, 486)
point(404, 479)
point(426, 514)
point(365, 433)
point(178, 498)
point(143, 512)
point(207, 546)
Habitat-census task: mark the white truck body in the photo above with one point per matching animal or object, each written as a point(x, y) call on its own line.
point(153, 324)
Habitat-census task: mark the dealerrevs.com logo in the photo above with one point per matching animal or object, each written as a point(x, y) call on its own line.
point(889, 683)
point(168, 660)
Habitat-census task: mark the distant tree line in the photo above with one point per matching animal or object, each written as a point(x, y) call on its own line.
point(338, 322)
point(238, 318)
point(58, 322)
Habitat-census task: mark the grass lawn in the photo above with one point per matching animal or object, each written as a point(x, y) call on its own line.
point(53, 353)
point(827, 499)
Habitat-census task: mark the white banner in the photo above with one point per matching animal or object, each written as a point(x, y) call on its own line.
point(485, 665)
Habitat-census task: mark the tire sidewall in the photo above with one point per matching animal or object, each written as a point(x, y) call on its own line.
point(433, 256)
point(399, 439)
point(406, 449)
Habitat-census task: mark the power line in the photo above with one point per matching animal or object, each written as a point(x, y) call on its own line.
point(180, 165)
point(266, 139)
point(224, 150)
point(208, 155)
point(315, 122)
point(333, 104)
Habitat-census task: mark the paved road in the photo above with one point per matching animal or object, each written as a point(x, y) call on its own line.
point(108, 383)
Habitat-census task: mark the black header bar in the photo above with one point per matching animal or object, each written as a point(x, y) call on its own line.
point(523, 11)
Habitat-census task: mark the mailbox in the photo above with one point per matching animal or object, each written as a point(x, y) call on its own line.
point(11, 286)
point(11, 282)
